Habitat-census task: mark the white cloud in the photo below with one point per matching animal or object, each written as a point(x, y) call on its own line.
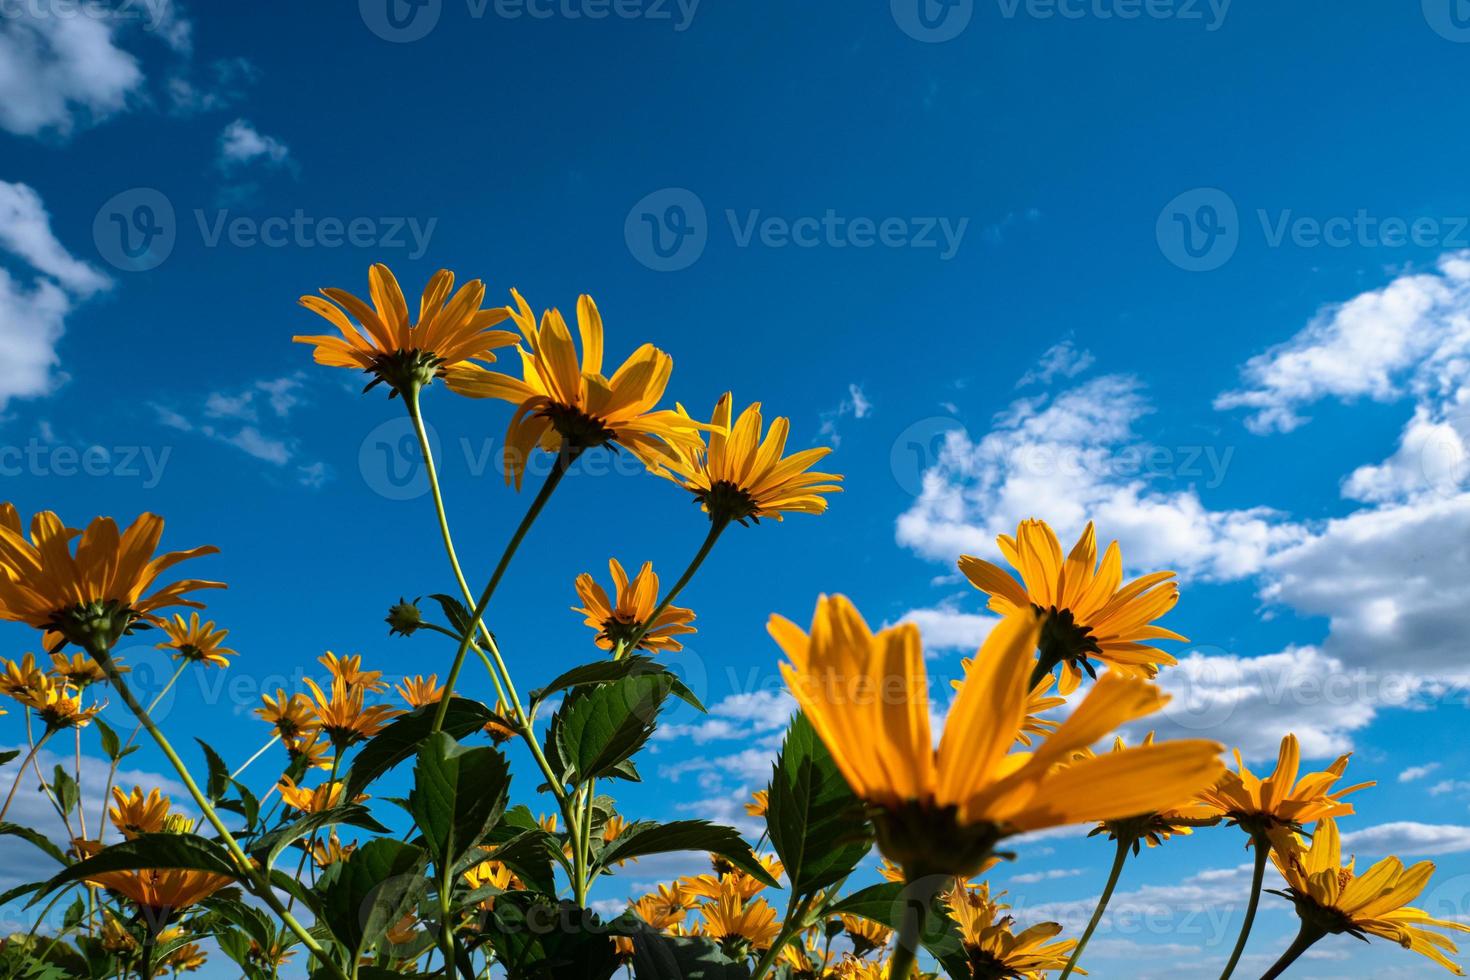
point(1075, 456)
point(235, 418)
point(1411, 335)
point(945, 628)
point(241, 143)
point(1412, 773)
point(1406, 837)
point(1251, 702)
point(65, 66)
point(855, 405)
point(35, 298)
point(1061, 360)
point(738, 716)
point(1051, 874)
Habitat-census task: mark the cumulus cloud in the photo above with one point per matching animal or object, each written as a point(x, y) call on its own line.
point(1075, 456)
point(39, 290)
point(1413, 773)
point(63, 67)
point(241, 144)
point(946, 628)
point(1406, 837)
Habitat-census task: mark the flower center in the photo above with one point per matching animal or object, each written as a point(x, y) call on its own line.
point(1064, 640)
point(728, 501)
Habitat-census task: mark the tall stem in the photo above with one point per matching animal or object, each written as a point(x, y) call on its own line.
point(911, 930)
point(132, 737)
point(564, 459)
point(717, 527)
point(1263, 848)
point(796, 913)
point(262, 887)
point(1308, 935)
point(20, 773)
point(1124, 845)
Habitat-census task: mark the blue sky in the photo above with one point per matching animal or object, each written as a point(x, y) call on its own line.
point(1197, 271)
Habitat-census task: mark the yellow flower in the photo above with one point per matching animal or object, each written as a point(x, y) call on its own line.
point(94, 596)
point(196, 641)
point(289, 714)
point(418, 691)
point(349, 671)
point(1332, 898)
point(729, 881)
point(739, 925)
point(664, 907)
point(741, 477)
point(449, 331)
point(1280, 800)
point(59, 705)
point(941, 812)
point(993, 948)
point(499, 726)
point(563, 400)
point(328, 852)
point(1089, 614)
point(760, 801)
point(615, 825)
point(1156, 827)
point(404, 931)
point(135, 814)
point(314, 749)
point(78, 669)
point(617, 623)
point(186, 958)
point(866, 935)
point(342, 716)
point(24, 679)
point(162, 891)
point(324, 797)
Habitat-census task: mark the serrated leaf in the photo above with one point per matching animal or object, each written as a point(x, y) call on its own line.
point(66, 789)
point(459, 793)
point(603, 671)
point(456, 612)
point(887, 904)
point(403, 736)
point(603, 727)
point(816, 824)
point(682, 957)
point(647, 837)
point(219, 772)
point(267, 847)
point(111, 744)
point(372, 890)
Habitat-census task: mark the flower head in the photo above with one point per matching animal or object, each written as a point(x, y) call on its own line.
point(289, 714)
point(740, 925)
point(664, 907)
point(80, 670)
point(196, 641)
point(418, 690)
point(342, 716)
point(618, 622)
point(451, 330)
point(134, 814)
point(1157, 826)
point(96, 594)
point(1331, 897)
point(23, 679)
point(1089, 612)
point(162, 892)
point(324, 797)
point(741, 476)
point(563, 400)
point(866, 936)
point(1281, 799)
point(59, 705)
point(349, 671)
point(942, 812)
point(995, 951)
point(760, 801)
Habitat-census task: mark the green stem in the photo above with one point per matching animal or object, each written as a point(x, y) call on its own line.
point(132, 737)
point(1124, 845)
point(716, 528)
point(1308, 935)
point(564, 459)
point(262, 886)
point(911, 930)
point(20, 773)
point(1263, 848)
point(791, 926)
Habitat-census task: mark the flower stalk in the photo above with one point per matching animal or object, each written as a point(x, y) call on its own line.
point(1262, 844)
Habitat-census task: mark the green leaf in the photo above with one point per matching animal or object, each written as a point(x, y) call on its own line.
point(372, 890)
point(219, 772)
point(40, 840)
point(887, 904)
point(66, 789)
point(9, 756)
point(267, 847)
point(148, 851)
point(682, 957)
point(602, 727)
point(456, 612)
point(602, 671)
point(111, 744)
point(403, 736)
point(538, 939)
point(459, 793)
point(816, 824)
point(648, 837)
